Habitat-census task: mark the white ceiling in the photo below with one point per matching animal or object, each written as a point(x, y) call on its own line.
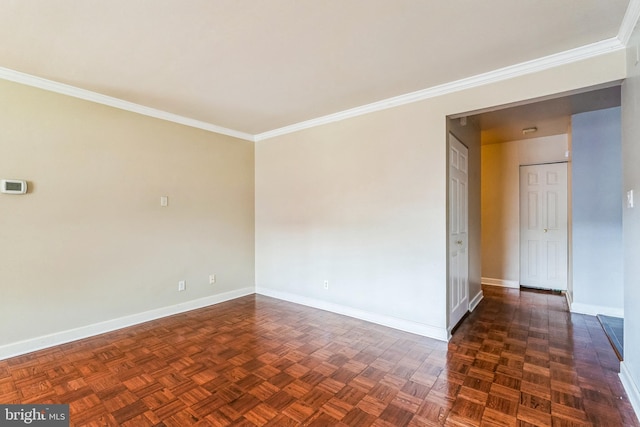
point(258, 65)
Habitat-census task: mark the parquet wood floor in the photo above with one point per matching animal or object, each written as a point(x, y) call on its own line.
point(519, 359)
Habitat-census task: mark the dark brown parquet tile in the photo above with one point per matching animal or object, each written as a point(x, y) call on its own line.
point(520, 359)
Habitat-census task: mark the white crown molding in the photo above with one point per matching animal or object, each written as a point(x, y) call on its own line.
point(51, 340)
point(584, 52)
point(629, 21)
point(87, 95)
point(379, 319)
point(536, 65)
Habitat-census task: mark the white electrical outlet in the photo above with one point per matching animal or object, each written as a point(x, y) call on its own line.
point(212, 279)
point(182, 285)
point(326, 284)
point(164, 201)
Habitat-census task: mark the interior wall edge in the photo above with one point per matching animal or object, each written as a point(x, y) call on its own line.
point(633, 392)
point(51, 340)
point(569, 297)
point(421, 329)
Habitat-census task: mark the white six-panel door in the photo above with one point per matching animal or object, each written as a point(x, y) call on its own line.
point(543, 226)
point(458, 231)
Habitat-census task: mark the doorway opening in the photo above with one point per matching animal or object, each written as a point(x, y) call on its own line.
point(502, 149)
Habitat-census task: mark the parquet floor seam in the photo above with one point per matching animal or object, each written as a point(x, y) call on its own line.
point(520, 359)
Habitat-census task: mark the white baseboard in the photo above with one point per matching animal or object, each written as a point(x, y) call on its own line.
point(569, 298)
point(476, 300)
point(592, 310)
point(630, 387)
point(380, 319)
point(501, 282)
point(46, 341)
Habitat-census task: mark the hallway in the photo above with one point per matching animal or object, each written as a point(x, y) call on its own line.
point(534, 361)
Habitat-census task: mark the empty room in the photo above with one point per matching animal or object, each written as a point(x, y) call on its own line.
point(283, 213)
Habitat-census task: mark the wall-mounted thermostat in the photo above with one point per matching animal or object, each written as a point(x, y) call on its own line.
point(13, 186)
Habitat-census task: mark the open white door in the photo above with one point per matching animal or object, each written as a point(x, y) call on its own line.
point(458, 231)
point(543, 226)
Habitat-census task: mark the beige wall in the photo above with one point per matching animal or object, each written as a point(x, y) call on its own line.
point(362, 202)
point(501, 202)
point(346, 203)
point(90, 242)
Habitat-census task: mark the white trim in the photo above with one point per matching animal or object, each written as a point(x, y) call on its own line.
point(566, 57)
point(593, 310)
point(540, 64)
point(569, 298)
point(528, 67)
point(630, 387)
point(501, 282)
point(380, 319)
point(87, 95)
point(629, 21)
point(51, 340)
point(476, 300)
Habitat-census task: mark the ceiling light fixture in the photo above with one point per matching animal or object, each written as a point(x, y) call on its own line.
point(529, 130)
